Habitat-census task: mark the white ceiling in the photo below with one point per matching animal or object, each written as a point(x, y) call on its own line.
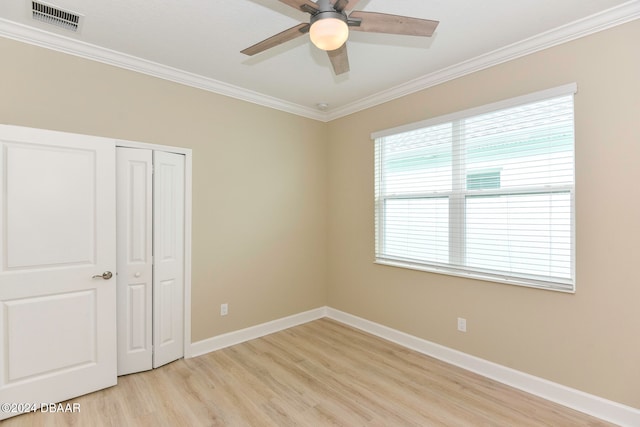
point(198, 42)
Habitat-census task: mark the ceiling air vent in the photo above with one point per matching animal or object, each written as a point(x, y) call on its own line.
point(52, 15)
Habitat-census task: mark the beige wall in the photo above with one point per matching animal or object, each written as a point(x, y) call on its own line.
point(274, 193)
point(590, 340)
point(259, 176)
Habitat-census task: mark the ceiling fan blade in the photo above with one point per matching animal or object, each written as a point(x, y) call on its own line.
point(373, 22)
point(278, 39)
point(303, 5)
point(339, 59)
point(341, 5)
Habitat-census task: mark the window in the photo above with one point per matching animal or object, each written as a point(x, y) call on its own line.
point(485, 193)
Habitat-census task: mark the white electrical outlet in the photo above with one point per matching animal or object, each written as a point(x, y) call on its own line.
point(224, 309)
point(462, 324)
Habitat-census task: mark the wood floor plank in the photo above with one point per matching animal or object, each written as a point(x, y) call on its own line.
point(322, 373)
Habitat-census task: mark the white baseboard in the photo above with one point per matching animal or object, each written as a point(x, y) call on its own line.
point(575, 399)
point(236, 337)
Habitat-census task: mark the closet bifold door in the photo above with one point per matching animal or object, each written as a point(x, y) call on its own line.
point(168, 251)
point(134, 249)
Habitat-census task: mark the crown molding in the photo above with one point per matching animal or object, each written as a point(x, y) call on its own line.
point(59, 43)
point(624, 13)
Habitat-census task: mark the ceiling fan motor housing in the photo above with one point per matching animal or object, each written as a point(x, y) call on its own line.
point(326, 11)
point(327, 15)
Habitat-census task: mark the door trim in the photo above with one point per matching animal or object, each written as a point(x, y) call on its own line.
point(188, 188)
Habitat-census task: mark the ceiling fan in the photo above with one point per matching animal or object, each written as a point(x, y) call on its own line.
point(330, 23)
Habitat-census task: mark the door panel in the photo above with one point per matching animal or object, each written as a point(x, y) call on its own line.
point(167, 289)
point(168, 250)
point(134, 190)
point(57, 231)
point(76, 347)
point(43, 170)
point(138, 322)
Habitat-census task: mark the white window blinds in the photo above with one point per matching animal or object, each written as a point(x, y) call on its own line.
point(486, 193)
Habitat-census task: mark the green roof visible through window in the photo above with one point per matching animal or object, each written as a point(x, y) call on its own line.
point(483, 180)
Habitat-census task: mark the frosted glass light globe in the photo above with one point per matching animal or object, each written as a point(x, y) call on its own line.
point(329, 33)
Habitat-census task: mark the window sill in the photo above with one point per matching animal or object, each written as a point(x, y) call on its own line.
point(487, 277)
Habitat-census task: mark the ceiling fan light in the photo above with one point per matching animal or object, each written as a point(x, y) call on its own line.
point(329, 33)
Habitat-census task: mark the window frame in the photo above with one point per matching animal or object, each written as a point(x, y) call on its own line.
point(459, 194)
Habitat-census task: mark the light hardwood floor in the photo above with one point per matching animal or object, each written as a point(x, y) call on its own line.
point(318, 374)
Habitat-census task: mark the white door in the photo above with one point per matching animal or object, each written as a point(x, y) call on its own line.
point(168, 254)
point(57, 238)
point(135, 279)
